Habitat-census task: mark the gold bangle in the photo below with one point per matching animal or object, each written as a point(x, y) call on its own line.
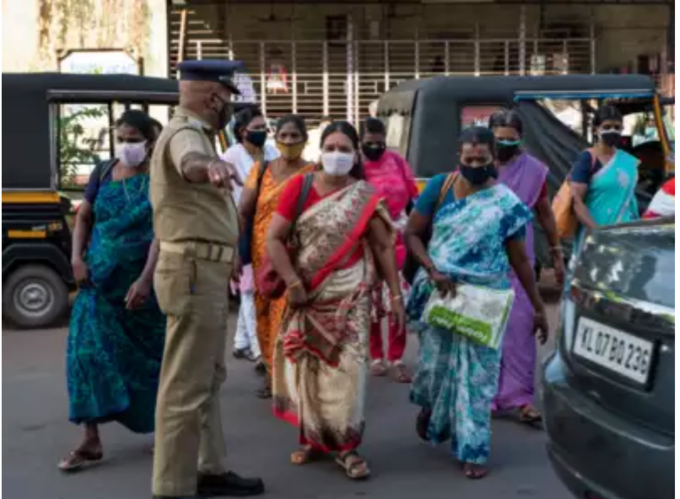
point(397, 297)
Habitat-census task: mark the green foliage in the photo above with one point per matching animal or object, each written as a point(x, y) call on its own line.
point(74, 148)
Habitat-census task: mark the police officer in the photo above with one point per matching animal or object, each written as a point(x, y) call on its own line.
point(196, 222)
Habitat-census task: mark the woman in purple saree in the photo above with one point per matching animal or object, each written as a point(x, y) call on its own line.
point(526, 177)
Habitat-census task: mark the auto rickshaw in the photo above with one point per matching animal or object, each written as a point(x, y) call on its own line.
point(57, 128)
point(425, 117)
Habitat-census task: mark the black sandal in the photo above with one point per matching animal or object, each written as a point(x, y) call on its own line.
point(353, 468)
point(422, 422)
point(265, 392)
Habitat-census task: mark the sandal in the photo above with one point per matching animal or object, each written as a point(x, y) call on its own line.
point(422, 422)
point(79, 460)
point(305, 455)
point(356, 467)
point(378, 368)
point(529, 415)
point(265, 392)
point(474, 471)
point(400, 373)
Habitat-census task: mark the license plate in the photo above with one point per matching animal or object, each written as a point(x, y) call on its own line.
point(613, 349)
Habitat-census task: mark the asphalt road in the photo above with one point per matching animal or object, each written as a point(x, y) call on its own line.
point(36, 434)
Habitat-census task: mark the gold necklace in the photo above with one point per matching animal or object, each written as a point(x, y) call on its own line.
point(141, 187)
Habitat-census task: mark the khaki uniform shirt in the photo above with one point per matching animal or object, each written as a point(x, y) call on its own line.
point(185, 211)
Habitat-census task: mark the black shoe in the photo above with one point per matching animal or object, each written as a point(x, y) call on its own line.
point(241, 353)
point(229, 484)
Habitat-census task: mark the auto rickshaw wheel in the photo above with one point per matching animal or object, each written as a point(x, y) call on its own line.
point(34, 296)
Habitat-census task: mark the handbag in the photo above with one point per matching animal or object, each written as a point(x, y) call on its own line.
point(411, 264)
point(269, 282)
point(563, 206)
point(245, 242)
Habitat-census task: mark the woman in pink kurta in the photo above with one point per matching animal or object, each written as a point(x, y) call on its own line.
point(391, 176)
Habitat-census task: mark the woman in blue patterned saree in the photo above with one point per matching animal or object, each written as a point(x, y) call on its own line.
point(477, 228)
point(117, 331)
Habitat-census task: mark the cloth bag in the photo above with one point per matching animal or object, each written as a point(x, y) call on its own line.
point(563, 206)
point(476, 312)
point(268, 281)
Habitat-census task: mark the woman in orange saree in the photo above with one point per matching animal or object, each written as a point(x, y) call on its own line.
point(343, 242)
point(259, 200)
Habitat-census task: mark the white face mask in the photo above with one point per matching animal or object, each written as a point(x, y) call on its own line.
point(337, 164)
point(132, 154)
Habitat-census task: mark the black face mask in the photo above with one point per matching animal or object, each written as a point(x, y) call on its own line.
point(256, 137)
point(507, 150)
point(611, 138)
point(478, 175)
point(224, 114)
point(373, 152)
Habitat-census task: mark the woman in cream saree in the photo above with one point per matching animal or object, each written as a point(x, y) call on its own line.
point(342, 241)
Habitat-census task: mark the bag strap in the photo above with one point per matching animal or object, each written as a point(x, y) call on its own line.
point(102, 170)
point(260, 174)
point(307, 181)
point(593, 158)
point(446, 187)
point(105, 169)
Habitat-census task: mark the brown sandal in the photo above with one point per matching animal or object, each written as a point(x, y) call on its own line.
point(356, 467)
point(529, 415)
point(79, 460)
point(474, 471)
point(378, 368)
point(400, 373)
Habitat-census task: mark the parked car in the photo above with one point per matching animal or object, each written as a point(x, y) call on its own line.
point(608, 391)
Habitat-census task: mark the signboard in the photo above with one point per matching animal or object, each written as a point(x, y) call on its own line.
point(99, 62)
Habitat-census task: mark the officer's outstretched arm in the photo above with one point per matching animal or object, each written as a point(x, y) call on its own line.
point(195, 167)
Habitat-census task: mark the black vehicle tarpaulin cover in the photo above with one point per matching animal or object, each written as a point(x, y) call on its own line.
point(551, 141)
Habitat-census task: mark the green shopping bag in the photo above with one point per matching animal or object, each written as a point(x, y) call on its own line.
point(476, 312)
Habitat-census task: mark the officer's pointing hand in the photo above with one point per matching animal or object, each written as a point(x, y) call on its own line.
point(222, 174)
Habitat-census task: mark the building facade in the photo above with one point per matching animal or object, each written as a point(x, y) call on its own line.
point(324, 57)
point(334, 58)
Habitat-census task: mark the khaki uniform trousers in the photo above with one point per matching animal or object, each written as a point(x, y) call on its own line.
point(193, 293)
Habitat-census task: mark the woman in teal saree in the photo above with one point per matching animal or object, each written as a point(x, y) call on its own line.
point(117, 332)
point(604, 178)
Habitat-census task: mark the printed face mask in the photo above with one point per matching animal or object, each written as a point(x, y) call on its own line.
point(131, 154)
point(290, 151)
point(337, 164)
point(477, 175)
